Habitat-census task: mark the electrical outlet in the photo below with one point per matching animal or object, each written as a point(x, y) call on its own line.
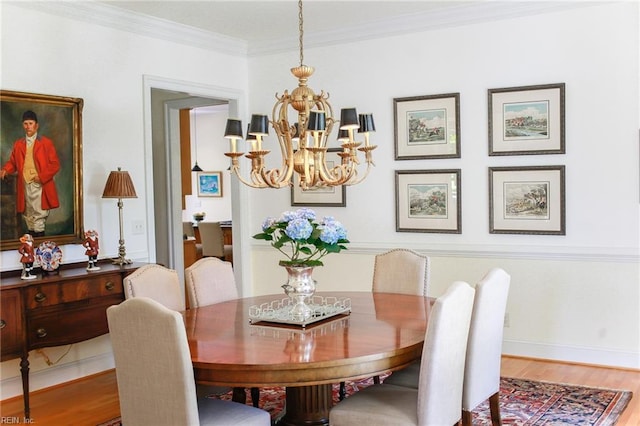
point(506, 319)
point(137, 227)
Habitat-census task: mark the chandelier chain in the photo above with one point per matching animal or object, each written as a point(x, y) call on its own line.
point(300, 31)
point(304, 145)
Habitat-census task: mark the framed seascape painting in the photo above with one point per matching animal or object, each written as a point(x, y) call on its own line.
point(41, 175)
point(527, 120)
point(332, 196)
point(427, 127)
point(527, 200)
point(428, 201)
point(209, 184)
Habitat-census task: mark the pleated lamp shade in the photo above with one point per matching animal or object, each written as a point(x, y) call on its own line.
point(119, 185)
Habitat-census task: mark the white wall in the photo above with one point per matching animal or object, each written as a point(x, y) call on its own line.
point(105, 67)
point(573, 297)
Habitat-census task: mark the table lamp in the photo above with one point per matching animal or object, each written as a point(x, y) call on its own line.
point(119, 185)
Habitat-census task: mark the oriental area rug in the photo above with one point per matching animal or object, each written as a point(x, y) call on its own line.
point(522, 402)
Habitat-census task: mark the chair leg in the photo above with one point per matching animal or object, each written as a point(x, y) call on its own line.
point(343, 391)
point(494, 407)
point(376, 380)
point(255, 397)
point(467, 418)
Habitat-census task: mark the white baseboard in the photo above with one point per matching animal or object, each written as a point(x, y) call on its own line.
point(577, 354)
point(12, 386)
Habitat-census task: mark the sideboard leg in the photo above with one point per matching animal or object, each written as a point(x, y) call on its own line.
point(24, 369)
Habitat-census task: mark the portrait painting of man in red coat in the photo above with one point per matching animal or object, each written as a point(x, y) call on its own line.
point(40, 168)
point(35, 162)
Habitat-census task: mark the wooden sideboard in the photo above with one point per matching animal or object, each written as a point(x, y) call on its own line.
point(56, 309)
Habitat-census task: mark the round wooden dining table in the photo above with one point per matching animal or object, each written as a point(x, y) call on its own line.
point(383, 332)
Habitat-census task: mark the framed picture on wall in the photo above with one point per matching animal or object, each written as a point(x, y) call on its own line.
point(527, 120)
point(209, 184)
point(57, 154)
point(428, 201)
point(527, 200)
point(427, 127)
point(332, 196)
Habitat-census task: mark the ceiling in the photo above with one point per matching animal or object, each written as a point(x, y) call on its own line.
point(276, 19)
point(272, 25)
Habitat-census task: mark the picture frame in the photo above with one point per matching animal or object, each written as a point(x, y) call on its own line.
point(59, 120)
point(209, 184)
point(334, 196)
point(427, 127)
point(527, 200)
point(429, 201)
point(527, 120)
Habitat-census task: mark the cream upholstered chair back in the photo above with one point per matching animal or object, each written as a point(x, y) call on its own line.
point(187, 229)
point(153, 364)
point(158, 283)
point(212, 239)
point(210, 280)
point(438, 397)
point(443, 357)
point(155, 378)
point(401, 271)
point(484, 350)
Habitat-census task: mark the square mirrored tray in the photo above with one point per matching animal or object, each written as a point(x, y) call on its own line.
point(279, 311)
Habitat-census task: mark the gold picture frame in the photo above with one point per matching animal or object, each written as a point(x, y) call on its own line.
point(60, 120)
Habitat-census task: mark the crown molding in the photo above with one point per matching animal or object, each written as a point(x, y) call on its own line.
point(116, 18)
point(467, 13)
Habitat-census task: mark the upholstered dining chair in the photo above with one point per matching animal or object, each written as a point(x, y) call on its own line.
point(155, 375)
point(209, 281)
point(401, 271)
point(438, 398)
point(188, 232)
point(398, 271)
point(162, 285)
point(157, 282)
point(484, 349)
point(213, 241)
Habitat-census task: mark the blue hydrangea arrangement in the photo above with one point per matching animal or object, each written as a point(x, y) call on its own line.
point(308, 240)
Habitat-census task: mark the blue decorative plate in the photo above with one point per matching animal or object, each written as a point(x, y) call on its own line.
point(49, 256)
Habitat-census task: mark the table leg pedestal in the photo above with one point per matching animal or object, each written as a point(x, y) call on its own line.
point(307, 405)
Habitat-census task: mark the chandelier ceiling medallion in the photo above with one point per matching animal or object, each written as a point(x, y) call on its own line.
point(303, 143)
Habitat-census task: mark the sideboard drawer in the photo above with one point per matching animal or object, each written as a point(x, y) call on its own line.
point(53, 327)
point(11, 330)
point(44, 295)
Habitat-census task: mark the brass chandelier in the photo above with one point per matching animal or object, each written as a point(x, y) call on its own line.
point(303, 143)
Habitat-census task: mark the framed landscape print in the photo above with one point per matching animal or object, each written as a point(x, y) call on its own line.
point(527, 120)
point(209, 184)
point(427, 127)
point(332, 196)
point(58, 156)
point(428, 201)
point(527, 200)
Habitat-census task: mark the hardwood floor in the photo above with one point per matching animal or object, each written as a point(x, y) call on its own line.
point(93, 400)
